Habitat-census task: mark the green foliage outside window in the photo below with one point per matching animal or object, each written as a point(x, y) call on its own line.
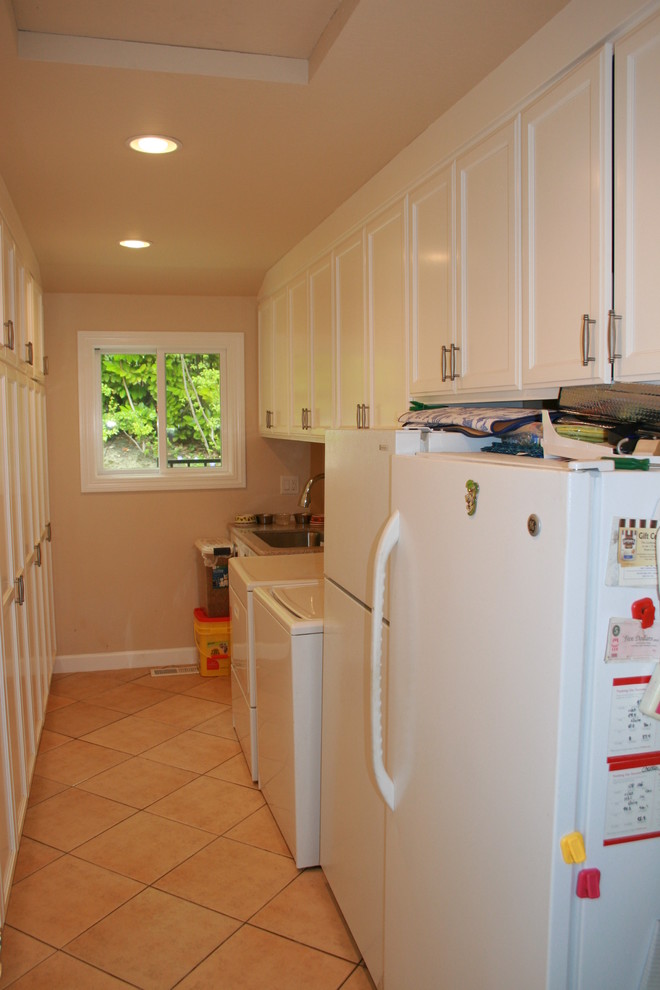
point(129, 389)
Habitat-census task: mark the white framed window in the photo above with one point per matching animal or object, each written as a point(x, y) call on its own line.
point(161, 411)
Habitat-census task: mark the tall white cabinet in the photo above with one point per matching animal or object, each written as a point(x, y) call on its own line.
point(27, 636)
point(487, 254)
point(431, 213)
point(567, 241)
point(633, 330)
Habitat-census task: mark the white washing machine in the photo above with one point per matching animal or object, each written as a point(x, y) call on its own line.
point(245, 574)
point(288, 644)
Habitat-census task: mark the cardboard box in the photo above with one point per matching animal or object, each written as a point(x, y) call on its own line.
point(213, 577)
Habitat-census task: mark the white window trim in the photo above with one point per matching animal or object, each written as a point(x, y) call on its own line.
point(232, 474)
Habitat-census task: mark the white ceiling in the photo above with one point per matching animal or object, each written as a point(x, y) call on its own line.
point(284, 108)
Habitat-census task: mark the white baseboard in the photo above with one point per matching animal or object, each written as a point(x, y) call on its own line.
point(131, 659)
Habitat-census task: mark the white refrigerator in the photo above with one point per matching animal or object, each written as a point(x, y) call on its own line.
point(357, 504)
point(522, 845)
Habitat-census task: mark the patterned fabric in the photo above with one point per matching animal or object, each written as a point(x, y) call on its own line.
point(475, 421)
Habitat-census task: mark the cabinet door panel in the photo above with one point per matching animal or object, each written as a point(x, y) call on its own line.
point(637, 205)
point(320, 321)
point(266, 357)
point(11, 329)
point(350, 328)
point(281, 381)
point(300, 353)
point(13, 776)
point(432, 310)
point(487, 255)
point(566, 227)
point(386, 258)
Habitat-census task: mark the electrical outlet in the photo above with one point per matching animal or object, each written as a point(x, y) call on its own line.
point(288, 485)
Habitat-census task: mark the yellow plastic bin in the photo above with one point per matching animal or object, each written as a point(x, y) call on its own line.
point(213, 641)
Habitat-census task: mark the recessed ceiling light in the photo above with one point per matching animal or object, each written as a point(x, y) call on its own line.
point(154, 144)
point(135, 244)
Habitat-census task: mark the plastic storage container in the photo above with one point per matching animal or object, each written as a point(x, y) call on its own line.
point(213, 577)
point(213, 641)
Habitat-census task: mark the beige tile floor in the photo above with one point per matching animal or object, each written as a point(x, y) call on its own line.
point(150, 860)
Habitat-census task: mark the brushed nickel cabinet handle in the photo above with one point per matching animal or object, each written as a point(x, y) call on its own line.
point(452, 363)
point(585, 343)
point(611, 337)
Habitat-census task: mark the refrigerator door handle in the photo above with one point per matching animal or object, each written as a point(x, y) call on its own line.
point(388, 540)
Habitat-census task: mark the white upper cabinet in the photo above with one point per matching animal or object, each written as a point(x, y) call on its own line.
point(274, 398)
point(11, 330)
point(311, 343)
point(524, 260)
point(322, 346)
point(351, 337)
point(34, 328)
point(431, 256)
point(488, 269)
point(281, 379)
point(464, 255)
point(265, 335)
point(301, 361)
point(566, 182)
point(386, 317)
point(634, 333)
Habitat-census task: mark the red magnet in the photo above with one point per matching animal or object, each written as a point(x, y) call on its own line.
point(644, 609)
point(588, 883)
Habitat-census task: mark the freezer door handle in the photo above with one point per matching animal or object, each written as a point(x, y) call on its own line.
point(388, 540)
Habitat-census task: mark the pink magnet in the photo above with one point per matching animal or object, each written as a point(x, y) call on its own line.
point(588, 883)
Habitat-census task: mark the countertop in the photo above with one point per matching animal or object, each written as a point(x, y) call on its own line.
point(248, 533)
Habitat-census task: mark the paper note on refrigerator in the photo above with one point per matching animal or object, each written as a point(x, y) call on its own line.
point(630, 731)
point(631, 559)
point(633, 801)
point(628, 641)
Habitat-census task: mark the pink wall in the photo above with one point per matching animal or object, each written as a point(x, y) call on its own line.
point(124, 564)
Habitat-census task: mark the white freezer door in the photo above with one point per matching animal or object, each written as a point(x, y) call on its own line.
point(352, 815)
point(478, 652)
point(357, 501)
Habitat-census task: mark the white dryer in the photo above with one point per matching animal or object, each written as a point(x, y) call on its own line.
point(246, 574)
point(288, 644)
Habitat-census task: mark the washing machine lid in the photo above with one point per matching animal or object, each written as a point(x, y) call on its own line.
point(303, 600)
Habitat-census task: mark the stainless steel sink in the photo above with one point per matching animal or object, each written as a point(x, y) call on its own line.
point(291, 537)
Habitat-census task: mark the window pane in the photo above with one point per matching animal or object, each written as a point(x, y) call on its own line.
point(130, 412)
point(193, 410)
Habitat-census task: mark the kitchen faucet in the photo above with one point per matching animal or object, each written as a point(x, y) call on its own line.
point(304, 499)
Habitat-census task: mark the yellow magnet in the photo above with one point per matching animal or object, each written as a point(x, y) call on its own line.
point(573, 848)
